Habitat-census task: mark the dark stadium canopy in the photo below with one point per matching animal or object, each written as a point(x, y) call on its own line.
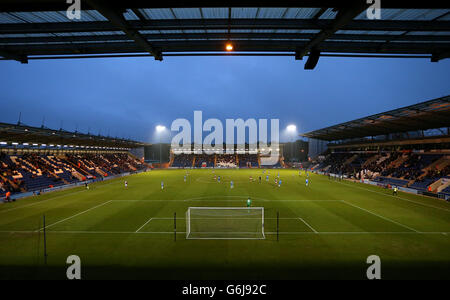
point(423, 116)
point(21, 134)
point(36, 29)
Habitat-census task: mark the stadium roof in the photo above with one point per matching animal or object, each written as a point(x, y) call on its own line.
point(36, 29)
point(10, 133)
point(423, 116)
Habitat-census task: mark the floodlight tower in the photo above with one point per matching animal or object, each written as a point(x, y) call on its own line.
point(160, 129)
point(292, 132)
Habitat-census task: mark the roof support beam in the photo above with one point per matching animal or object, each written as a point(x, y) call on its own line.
point(223, 36)
point(222, 24)
point(439, 56)
point(343, 17)
point(217, 46)
point(319, 13)
point(117, 19)
point(12, 56)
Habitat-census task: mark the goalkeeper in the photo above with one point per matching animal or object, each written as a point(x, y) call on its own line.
point(249, 202)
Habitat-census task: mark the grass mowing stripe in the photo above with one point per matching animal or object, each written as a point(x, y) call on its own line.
point(384, 218)
point(79, 214)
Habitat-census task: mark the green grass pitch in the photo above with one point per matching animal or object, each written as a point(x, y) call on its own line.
point(326, 230)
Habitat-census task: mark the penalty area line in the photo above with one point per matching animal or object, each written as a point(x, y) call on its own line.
point(74, 216)
point(309, 226)
point(144, 225)
point(384, 218)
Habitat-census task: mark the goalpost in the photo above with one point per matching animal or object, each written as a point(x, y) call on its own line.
point(225, 223)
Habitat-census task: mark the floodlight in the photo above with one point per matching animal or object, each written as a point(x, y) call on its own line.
point(292, 128)
point(160, 128)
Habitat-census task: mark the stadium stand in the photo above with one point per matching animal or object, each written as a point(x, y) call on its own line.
point(217, 161)
point(183, 161)
point(248, 160)
point(34, 172)
point(404, 169)
point(226, 161)
point(203, 160)
point(407, 147)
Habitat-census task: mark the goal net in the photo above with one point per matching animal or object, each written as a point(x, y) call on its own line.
point(225, 223)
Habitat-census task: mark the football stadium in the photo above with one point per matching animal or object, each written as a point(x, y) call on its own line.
point(128, 177)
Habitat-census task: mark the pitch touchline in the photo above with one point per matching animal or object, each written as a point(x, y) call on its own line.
point(40, 202)
point(56, 197)
point(397, 197)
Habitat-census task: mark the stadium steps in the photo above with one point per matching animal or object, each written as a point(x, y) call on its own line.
point(11, 182)
point(350, 160)
point(440, 164)
point(399, 161)
point(79, 172)
point(383, 158)
point(371, 160)
point(441, 185)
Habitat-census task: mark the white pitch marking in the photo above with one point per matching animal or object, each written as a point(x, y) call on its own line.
point(397, 197)
point(309, 226)
point(269, 233)
point(40, 202)
point(144, 225)
point(56, 197)
point(384, 218)
point(219, 200)
point(66, 219)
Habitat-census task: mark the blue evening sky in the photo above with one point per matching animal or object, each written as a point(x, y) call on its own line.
point(128, 97)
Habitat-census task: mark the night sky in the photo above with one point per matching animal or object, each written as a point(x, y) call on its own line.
point(128, 97)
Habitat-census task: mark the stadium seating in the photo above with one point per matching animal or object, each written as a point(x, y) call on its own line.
point(406, 169)
point(203, 160)
point(183, 161)
point(34, 172)
point(248, 161)
point(446, 191)
point(216, 160)
point(226, 161)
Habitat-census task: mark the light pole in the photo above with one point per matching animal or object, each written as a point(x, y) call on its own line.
point(292, 129)
point(160, 130)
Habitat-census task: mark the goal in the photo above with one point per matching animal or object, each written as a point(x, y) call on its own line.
point(225, 223)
